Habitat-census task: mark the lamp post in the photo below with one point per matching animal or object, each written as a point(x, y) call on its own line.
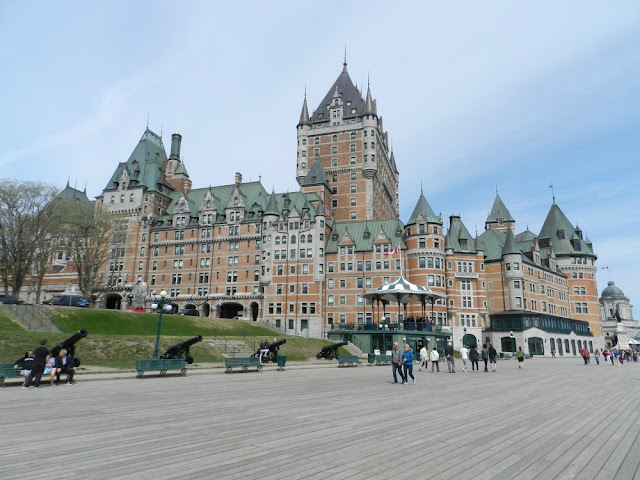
point(513, 341)
point(160, 303)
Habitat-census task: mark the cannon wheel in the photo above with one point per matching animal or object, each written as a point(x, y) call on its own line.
point(330, 356)
point(319, 356)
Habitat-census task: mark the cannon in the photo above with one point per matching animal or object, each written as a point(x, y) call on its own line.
point(273, 349)
point(181, 350)
point(70, 346)
point(330, 351)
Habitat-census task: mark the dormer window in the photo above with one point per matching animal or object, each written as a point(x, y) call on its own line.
point(349, 103)
point(463, 243)
point(235, 201)
point(560, 234)
point(500, 221)
point(335, 102)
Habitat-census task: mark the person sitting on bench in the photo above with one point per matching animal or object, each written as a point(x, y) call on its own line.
point(63, 365)
point(24, 364)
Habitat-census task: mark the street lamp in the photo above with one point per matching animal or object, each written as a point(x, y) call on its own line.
point(162, 304)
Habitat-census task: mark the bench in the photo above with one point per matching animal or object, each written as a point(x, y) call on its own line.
point(162, 365)
point(243, 362)
point(7, 371)
point(383, 359)
point(348, 361)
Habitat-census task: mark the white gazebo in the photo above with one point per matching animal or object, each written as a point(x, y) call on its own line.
point(403, 292)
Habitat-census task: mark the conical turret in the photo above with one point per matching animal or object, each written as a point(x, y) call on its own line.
point(304, 115)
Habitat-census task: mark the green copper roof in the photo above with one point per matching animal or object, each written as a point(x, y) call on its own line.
point(458, 237)
point(70, 193)
point(272, 205)
point(251, 192)
point(526, 240)
point(423, 208)
point(510, 244)
point(144, 166)
point(499, 211)
point(357, 232)
point(316, 175)
point(611, 291)
point(493, 241)
point(181, 170)
point(558, 228)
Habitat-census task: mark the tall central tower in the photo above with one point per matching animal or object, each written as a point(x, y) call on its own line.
point(346, 135)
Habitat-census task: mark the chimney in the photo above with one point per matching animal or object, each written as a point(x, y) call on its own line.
point(238, 178)
point(176, 140)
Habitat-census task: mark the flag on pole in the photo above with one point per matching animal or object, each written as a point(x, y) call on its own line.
point(392, 251)
point(605, 268)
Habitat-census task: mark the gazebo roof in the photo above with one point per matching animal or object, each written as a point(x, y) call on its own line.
point(403, 292)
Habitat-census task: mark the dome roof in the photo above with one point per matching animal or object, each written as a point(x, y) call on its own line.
point(612, 291)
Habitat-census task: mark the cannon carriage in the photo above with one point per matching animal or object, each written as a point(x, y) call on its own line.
point(330, 352)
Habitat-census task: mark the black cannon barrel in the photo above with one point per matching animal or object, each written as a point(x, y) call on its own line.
point(274, 345)
point(175, 351)
point(335, 346)
point(69, 343)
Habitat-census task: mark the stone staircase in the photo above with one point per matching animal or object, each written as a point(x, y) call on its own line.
point(35, 318)
point(353, 350)
point(232, 348)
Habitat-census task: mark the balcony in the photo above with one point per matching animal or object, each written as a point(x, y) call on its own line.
point(469, 275)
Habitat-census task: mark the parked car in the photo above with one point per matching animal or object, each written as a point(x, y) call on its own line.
point(9, 300)
point(190, 311)
point(136, 310)
point(68, 301)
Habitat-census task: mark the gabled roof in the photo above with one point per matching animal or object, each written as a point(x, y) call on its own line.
point(499, 211)
point(357, 230)
point(458, 237)
point(347, 91)
point(145, 166)
point(526, 240)
point(559, 229)
point(423, 207)
point(316, 175)
point(70, 193)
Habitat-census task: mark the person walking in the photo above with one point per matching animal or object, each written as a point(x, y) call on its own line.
point(407, 361)
point(473, 356)
point(597, 355)
point(585, 355)
point(492, 358)
point(424, 357)
point(520, 355)
point(605, 353)
point(612, 355)
point(553, 353)
point(451, 364)
point(40, 357)
point(396, 363)
point(464, 355)
point(485, 356)
point(435, 358)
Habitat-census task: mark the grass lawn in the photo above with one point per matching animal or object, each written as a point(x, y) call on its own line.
point(116, 339)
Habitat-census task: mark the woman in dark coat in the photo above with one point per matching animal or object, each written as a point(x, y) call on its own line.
point(473, 356)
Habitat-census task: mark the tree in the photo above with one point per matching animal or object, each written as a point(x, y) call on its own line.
point(87, 231)
point(27, 218)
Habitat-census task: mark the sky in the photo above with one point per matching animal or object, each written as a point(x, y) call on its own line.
point(476, 97)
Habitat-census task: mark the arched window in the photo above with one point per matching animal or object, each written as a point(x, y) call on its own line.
point(590, 346)
point(552, 342)
point(566, 346)
point(573, 346)
point(579, 346)
point(277, 240)
point(303, 239)
point(293, 239)
point(309, 238)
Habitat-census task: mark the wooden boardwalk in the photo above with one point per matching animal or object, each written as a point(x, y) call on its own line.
point(555, 419)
